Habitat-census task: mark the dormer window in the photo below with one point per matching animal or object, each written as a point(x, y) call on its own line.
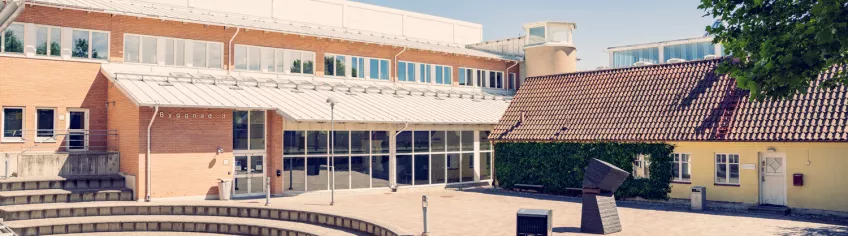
point(549, 32)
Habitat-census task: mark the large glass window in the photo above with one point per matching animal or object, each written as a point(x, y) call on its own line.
point(48, 41)
point(689, 51)
point(443, 75)
point(148, 50)
point(82, 43)
point(727, 169)
point(378, 69)
point(627, 58)
point(425, 76)
point(199, 54)
point(406, 71)
point(438, 171)
point(422, 169)
point(513, 83)
point(485, 165)
point(174, 52)
point(132, 48)
point(90, 44)
point(334, 65)
point(45, 124)
point(248, 130)
point(464, 77)
point(13, 39)
point(357, 67)
point(404, 169)
point(300, 62)
point(294, 176)
point(355, 165)
point(13, 124)
point(537, 34)
point(680, 167)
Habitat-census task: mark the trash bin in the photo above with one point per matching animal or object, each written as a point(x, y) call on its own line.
point(698, 198)
point(224, 189)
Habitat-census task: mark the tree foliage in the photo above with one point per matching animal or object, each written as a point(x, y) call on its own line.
point(781, 46)
point(560, 165)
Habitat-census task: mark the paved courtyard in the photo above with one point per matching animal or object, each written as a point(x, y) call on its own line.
point(492, 213)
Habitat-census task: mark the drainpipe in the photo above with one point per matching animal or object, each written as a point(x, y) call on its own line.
point(516, 74)
point(155, 111)
point(394, 152)
point(230, 52)
point(9, 10)
point(396, 63)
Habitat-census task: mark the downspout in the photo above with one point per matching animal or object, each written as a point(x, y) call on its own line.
point(396, 66)
point(152, 119)
point(230, 52)
point(9, 10)
point(516, 74)
point(393, 185)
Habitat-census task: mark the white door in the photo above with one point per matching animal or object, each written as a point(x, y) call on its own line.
point(773, 179)
point(77, 139)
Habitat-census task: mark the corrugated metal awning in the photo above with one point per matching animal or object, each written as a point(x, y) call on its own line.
point(304, 99)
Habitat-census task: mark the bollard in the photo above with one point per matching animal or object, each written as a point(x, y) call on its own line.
point(267, 190)
point(7, 166)
point(424, 204)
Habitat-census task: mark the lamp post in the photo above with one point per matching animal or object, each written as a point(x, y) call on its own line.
point(332, 101)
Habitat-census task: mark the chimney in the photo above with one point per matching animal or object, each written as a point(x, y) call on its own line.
point(549, 49)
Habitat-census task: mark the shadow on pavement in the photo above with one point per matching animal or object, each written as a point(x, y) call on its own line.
point(839, 230)
point(826, 230)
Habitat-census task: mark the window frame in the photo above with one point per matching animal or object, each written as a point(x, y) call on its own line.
point(248, 123)
point(3, 137)
point(379, 68)
point(643, 162)
point(512, 82)
point(70, 132)
point(727, 165)
point(287, 65)
point(3, 40)
point(50, 139)
point(679, 164)
point(91, 44)
point(48, 50)
point(335, 65)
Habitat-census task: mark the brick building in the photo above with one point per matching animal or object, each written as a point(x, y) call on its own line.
point(190, 92)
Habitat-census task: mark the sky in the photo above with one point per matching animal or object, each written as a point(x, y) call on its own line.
point(600, 23)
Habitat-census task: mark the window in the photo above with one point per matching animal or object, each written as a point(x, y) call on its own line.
point(641, 166)
point(537, 34)
point(680, 168)
point(13, 39)
point(249, 130)
point(513, 83)
point(140, 49)
point(268, 56)
point(360, 157)
point(45, 124)
point(300, 62)
point(485, 156)
point(727, 169)
point(481, 78)
point(357, 67)
point(199, 54)
point(495, 79)
point(132, 48)
point(148, 50)
point(443, 75)
point(425, 73)
point(90, 44)
point(175, 52)
point(334, 65)
point(13, 124)
point(48, 41)
point(378, 68)
point(406, 71)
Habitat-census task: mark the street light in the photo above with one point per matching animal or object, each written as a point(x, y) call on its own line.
point(332, 101)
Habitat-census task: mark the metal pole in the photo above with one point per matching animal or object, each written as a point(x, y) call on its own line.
point(332, 154)
point(267, 190)
point(424, 205)
point(7, 165)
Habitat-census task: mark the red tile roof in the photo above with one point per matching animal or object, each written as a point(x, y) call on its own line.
point(668, 102)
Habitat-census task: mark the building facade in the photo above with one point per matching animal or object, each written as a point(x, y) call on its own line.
point(190, 92)
point(664, 52)
point(786, 152)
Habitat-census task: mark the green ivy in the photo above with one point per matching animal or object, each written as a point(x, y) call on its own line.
point(558, 166)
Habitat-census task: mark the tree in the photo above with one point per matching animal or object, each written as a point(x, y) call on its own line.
point(80, 48)
point(781, 46)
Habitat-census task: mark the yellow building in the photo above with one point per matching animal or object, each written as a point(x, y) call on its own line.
point(791, 153)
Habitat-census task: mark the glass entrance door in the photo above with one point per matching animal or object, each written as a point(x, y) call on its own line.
point(77, 129)
point(249, 175)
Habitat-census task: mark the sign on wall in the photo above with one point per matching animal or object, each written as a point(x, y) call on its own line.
point(177, 116)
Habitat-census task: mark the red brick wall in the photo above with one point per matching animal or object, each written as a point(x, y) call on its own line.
point(35, 84)
point(275, 150)
point(123, 116)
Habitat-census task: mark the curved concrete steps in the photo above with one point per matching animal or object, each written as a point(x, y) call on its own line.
point(39, 217)
point(171, 223)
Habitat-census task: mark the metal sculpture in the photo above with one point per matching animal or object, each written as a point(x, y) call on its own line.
point(600, 180)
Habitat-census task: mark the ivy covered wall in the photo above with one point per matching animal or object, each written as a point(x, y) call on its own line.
point(559, 165)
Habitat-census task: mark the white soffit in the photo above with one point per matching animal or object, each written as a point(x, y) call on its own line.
point(183, 14)
point(302, 100)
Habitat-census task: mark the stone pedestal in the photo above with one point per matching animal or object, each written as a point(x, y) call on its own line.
point(600, 214)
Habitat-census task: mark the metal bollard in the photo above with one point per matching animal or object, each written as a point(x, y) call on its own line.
point(7, 165)
point(424, 204)
point(267, 190)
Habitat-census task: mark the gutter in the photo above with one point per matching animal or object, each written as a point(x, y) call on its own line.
point(9, 11)
point(147, 196)
point(517, 75)
point(230, 52)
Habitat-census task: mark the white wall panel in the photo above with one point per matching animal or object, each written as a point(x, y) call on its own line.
point(374, 20)
point(327, 13)
point(428, 29)
point(246, 7)
point(467, 35)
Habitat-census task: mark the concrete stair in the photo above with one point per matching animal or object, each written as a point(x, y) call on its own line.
point(37, 190)
point(770, 209)
point(67, 183)
point(205, 217)
point(197, 224)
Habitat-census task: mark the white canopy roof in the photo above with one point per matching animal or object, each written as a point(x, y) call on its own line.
point(183, 14)
point(301, 98)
